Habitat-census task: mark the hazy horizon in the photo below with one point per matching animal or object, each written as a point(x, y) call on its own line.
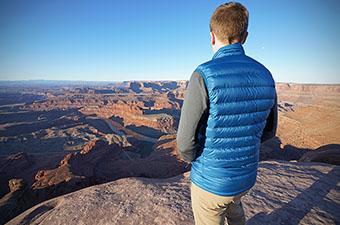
point(133, 40)
point(141, 80)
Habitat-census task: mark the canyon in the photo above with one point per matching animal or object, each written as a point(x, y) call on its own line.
point(57, 138)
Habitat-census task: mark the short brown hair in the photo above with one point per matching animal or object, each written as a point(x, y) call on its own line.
point(229, 22)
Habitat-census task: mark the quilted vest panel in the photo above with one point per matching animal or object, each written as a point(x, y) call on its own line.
point(241, 94)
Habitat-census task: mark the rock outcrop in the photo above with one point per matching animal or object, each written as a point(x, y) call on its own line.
point(98, 162)
point(326, 154)
point(24, 166)
point(285, 193)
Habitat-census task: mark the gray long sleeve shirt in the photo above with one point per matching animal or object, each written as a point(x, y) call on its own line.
point(194, 115)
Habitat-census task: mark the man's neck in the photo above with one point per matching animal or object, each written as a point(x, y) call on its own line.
point(216, 48)
point(219, 44)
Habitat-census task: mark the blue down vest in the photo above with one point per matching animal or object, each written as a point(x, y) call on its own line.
point(241, 94)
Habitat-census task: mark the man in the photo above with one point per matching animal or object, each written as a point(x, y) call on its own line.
point(230, 107)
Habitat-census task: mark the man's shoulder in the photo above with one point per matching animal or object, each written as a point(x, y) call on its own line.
point(200, 68)
point(230, 60)
point(203, 68)
point(246, 61)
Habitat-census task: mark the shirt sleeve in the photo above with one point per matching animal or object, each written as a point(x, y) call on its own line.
point(271, 123)
point(194, 107)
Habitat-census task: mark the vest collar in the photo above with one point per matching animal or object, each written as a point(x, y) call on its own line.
point(232, 49)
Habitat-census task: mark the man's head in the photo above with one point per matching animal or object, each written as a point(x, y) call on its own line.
point(228, 25)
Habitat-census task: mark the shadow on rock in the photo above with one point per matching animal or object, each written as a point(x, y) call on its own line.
point(294, 211)
point(274, 149)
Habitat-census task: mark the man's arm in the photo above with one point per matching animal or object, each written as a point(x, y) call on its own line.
point(271, 124)
point(194, 106)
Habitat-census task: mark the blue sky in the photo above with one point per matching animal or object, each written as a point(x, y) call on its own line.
point(161, 40)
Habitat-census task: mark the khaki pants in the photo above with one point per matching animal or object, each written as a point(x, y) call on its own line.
point(211, 209)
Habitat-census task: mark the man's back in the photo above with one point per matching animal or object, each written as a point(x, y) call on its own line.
point(241, 95)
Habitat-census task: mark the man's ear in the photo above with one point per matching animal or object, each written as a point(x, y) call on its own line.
point(245, 37)
point(212, 38)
